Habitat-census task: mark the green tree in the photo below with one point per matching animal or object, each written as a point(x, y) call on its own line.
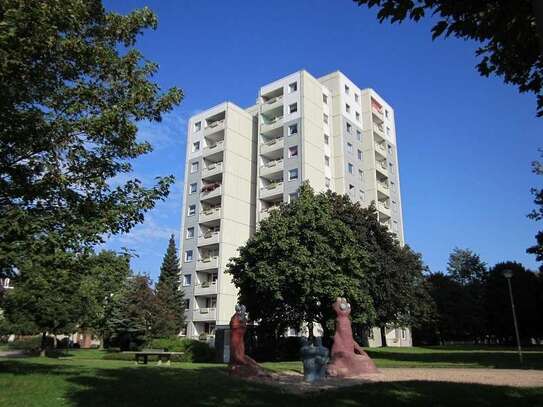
point(396, 281)
point(170, 315)
point(132, 311)
point(73, 88)
point(466, 267)
point(526, 290)
point(506, 29)
point(46, 297)
point(103, 275)
point(299, 260)
point(537, 214)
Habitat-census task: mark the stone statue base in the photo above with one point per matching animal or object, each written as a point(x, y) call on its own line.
point(348, 365)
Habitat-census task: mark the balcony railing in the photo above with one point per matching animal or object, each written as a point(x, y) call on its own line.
point(214, 124)
point(204, 314)
point(212, 169)
point(207, 287)
point(217, 146)
point(206, 263)
point(273, 100)
point(207, 238)
point(211, 212)
point(274, 163)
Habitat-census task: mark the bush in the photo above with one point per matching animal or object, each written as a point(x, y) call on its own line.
point(29, 343)
point(193, 351)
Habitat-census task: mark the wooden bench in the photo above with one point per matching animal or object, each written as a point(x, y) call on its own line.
point(163, 356)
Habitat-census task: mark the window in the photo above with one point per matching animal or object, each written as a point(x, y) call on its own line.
point(192, 210)
point(351, 188)
point(189, 256)
point(293, 129)
point(195, 146)
point(327, 182)
point(324, 99)
point(388, 131)
point(370, 334)
point(347, 108)
point(357, 115)
point(187, 303)
point(349, 147)
point(391, 168)
point(347, 89)
point(386, 113)
point(293, 108)
point(197, 126)
point(293, 151)
point(187, 280)
point(392, 186)
point(359, 154)
point(293, 196)
point(359, 135)
point(349, 128)
point(362, 195)
point(356, 97)
point(293, 87)
point(193, 188)
point(325, 118)
point(350, 168)
point(326, 139)
point(293, 174)
point(327, 161)
point(194, 166)
point(361, 175)
point(190, 233)
point(404, 336)
point(389, 148)
point(183, 330)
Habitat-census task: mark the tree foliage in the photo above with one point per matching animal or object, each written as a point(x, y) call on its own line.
point(506, 30)
point(319, 247)
point(466, 267)
point(73, 88)
point(63, 292)
point(132, 312)
point(537, 214)
point(169, 298)
point(300, 259)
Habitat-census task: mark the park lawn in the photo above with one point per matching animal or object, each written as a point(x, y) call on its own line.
point(92, 382)
point(82, 378)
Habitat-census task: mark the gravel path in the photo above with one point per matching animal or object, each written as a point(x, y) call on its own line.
point(498, 377)
point(293, 382)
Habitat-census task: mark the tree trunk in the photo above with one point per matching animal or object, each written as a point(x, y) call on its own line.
point(310, 328)
point(55, 341)
point(43, 344)
point(383, 331)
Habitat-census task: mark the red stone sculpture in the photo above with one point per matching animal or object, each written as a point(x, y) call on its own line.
point(348, 359)
point(240, 364)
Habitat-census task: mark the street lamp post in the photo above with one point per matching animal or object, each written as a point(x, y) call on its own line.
point(508, 274)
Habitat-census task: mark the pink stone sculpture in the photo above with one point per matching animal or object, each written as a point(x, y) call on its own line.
point(240, 364)
point(348, 359)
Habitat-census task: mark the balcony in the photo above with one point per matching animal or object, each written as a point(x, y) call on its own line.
point(211, 214)
point(383, 188)
point(272, 145)
point(206, 288)
point(214, 126)
point(212, 169)
point(214, 148)
point(383, 207)
point(272, 124)
point(208, 263)
point(380, 148)
point(272, 167)
point(379, 130)
point(211, 191)
point(210, 237)
point(272, 190)
point(204, 314)
point(378, 113)
point(274, 103)
point(381, 166)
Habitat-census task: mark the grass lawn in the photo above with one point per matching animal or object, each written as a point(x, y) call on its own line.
point(84, 379)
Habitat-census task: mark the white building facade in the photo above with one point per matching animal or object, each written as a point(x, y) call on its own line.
point(241, 163)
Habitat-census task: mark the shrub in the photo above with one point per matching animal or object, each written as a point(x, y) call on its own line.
point(29, 343)
point(193, 351)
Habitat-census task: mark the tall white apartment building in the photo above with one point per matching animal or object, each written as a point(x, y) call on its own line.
point(241, 163)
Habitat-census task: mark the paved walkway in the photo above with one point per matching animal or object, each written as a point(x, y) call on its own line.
point(12, 353)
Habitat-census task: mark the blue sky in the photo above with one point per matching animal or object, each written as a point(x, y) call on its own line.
point(465, 142)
